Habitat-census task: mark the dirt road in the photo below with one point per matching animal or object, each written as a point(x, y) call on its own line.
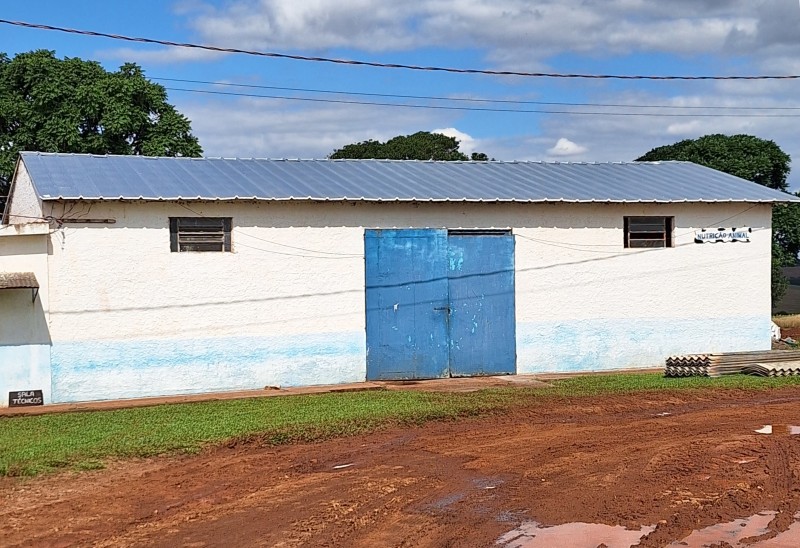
point(661, 464)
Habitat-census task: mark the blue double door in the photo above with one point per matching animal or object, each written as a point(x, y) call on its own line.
point(439, 303)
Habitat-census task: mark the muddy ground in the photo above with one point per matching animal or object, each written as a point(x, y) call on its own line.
point(679, 461)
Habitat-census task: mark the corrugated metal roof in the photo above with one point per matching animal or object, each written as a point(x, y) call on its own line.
point(18, 280)
point(79, 176)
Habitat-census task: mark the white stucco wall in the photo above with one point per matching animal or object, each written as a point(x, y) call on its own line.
point(24, 332)
point(130, 318)
point(24, 206)
point(589, 304)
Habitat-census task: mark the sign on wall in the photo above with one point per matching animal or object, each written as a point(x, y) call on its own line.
point(713, 235)
point(25, 398)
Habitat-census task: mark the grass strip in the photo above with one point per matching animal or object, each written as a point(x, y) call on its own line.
point(592, 385)
point(83, 440)
point(36, 444)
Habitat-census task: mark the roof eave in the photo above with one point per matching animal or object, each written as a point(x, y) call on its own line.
point(789, 199)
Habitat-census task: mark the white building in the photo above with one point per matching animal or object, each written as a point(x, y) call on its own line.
point(333, 271)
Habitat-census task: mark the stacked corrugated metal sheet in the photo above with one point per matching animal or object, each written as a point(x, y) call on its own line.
point(770, 363)
point(781, 369)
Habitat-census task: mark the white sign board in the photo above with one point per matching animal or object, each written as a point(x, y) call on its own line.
point(741, 234)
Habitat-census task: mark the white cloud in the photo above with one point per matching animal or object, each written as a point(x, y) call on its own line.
point(565, 147)
point(625, 138)
point(160, 56)
point(517, 34)
point(260, 128)
point(506, 29)
point(466, 143)
point(311, 24)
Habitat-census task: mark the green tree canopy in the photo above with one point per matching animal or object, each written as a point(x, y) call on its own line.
point(757, 160)
point(71, 105)
point(745, 156)
point(422, 145)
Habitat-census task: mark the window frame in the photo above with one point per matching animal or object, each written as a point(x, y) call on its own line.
point(218, 230)
point(646, 235)
point(479, 232)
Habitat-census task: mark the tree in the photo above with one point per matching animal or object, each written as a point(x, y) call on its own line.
point(745, 156)
point(422, 145)
point(71, 105)
point(757, 160)
point(786, 230)
point(780, 283)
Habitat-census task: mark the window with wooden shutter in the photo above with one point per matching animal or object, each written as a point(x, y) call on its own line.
point(648, 231)
point(200, 233)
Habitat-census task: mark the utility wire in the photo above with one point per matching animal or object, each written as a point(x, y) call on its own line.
point(485, 109)
point(719, 223)
point(239, 244)
point(335, 254)
point(464, 99)
point(325, 254)
point(385, 65)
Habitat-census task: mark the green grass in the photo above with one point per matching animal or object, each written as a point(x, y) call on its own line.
point(31, 445)
point(35, 444)
point(620, 383)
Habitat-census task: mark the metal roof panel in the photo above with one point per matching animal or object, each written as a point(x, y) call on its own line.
point(91, 177)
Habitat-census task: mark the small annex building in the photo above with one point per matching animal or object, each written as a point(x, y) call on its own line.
point(124, 276)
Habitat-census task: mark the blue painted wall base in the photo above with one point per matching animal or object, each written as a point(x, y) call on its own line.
point(599, 345)
point(24, 367)
point(103, 370)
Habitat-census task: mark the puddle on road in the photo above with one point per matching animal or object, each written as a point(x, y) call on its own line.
point(787, 429)
point(449, 500)
point(730, 533)
point(574, 535)
point(735, 532)
point(592, 535)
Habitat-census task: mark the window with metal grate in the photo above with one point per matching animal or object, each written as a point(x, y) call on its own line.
point(200, 233)
point(648, 231)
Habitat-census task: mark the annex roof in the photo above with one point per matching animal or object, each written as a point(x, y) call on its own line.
point(91, 177)
point(18, 280)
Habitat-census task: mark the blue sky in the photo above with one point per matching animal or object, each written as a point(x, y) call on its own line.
point(686, 37)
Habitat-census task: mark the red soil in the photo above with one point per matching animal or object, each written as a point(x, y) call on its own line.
point(680, 461)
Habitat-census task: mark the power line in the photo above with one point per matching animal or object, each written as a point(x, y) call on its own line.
point(332, 253)
point(464, 99)
point(482, 109)
point(239, 244)
point(324, 254)
point(384, 65)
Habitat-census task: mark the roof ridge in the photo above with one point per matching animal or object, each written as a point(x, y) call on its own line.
point(345, 160)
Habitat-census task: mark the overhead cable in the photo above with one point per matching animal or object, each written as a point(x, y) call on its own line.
point(485, 109)
point(376, 64)
point(462, 99)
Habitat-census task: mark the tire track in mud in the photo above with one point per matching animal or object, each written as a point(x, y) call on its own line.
point(782, 466)
point(771, 483)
